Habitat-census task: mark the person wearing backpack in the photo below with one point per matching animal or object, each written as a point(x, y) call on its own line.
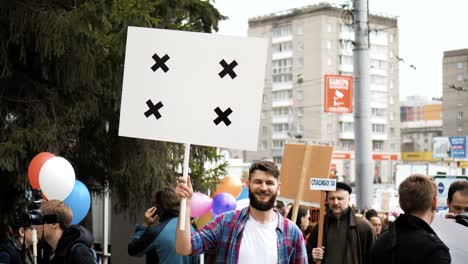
point(157, 242)
point(16, 249)
point(71, 244)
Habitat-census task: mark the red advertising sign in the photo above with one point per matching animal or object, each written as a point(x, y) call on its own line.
point(338, 94)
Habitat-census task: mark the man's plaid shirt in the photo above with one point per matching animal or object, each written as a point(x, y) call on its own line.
point(224, 234)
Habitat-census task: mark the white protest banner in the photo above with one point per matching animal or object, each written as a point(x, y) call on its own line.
point(194, 88)
point(322, 184)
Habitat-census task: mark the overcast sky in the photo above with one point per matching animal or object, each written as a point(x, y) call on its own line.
point(427, 29)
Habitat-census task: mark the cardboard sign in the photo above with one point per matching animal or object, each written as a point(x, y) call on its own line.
point(320, 184)
point(317, 167)
point(338, 94)
point(195, 88)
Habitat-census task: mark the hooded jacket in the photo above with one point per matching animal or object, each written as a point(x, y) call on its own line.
point(81, 255)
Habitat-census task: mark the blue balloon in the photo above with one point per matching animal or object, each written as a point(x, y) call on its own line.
point(79, 201)
point(223, 202)
point(244, 194)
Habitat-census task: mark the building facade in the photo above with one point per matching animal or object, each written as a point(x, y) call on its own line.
point(306, 44)
point(455, 92)
point(421, 121)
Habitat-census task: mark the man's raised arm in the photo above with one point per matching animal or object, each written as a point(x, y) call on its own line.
point(183, 238)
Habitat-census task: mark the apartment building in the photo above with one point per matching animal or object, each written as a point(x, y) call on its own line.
point(306, 44)
point(455, 92)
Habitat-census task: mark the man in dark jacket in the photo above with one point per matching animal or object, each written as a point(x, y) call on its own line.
point(70, 244)
point(411, 240)
point(347, 239)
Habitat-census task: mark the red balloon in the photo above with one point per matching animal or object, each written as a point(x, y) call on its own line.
point(35, 167)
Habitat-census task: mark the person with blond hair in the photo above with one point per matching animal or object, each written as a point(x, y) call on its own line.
point(411, 239)
point(70, 243)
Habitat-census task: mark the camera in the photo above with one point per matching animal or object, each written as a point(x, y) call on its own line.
point(462, 219)
point(35, 216)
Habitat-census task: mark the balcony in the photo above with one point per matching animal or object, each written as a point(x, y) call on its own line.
point(346, 135)
point(279, 135)
point(282, 86)
point(379, 136)
point(282, 55)
point(281, 39)
point(349, 118)
point(281, 119)
point(347, 52)
point(282, 102)
point(378, 72)
point(346, 35)
point(345, 67)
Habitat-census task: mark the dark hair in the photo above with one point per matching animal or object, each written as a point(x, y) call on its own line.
point(417, 193)
point(371, 213)
point(267, 166)
point(167, 201)
point(456, 186)
point(301, 212)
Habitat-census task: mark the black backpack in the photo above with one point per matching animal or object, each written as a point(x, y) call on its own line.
point(92, 252)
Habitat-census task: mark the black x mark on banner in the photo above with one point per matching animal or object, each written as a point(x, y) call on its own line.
point(153, 109)
point(160, 62)
point(222, 116)
point(228, 69)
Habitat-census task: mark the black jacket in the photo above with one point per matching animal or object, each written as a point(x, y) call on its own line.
point(81, 255)
point(410, 241)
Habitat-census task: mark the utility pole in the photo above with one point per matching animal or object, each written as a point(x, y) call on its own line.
point(362, 109)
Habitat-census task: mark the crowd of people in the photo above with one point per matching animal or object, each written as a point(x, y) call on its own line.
point(261, 232)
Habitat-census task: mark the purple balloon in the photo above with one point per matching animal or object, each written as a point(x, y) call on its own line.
point(223, 202)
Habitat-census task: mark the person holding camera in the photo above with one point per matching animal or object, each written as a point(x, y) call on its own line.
point(16, 249)
point(70, 244)
point(157, 242)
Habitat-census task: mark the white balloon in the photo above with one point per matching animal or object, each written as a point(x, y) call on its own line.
point(56, 178)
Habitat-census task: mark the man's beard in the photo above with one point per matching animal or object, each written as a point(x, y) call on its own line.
point(262, 206)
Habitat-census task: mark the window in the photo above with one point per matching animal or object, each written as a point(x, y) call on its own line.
point(329, 61)
point(377, 145)
point(329, 27)
point(300, 111)
point(347, 145)
point(282, 78)
point(460, 102)
point(346, 60)
point(277, 160)
point(329, 128)
point(300, 62)
point(263, 114)
point(280, 128)
point(282, 31)
point(282, 66)
point(460, 125)
point(281, 47)
point(281, 95)
point(460, 77)
point(264, 130)
point(265, 98)
point(391, 100)
point(346, 127)
point(300, 95)
point(392, 37)
point(392, 131)
point(459, 65)
point(264, 145)
point(378, 112)
point(392, 146)
point(278, 143)
point(378, 128)
point(392, 116)
point(281, 111)
point(329, 44)
point(460, 115)
point(299, 30)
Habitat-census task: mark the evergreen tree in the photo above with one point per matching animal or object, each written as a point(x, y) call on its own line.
point(61, 68)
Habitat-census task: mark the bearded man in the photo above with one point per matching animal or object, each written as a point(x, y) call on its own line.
point(255, 234)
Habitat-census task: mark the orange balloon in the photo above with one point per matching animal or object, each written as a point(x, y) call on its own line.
point(35, 167)
point(231, 185)
point(204, 219)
